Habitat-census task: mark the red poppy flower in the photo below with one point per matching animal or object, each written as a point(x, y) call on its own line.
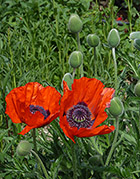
point(82, 108)
point(33, 105)
point(119, 19)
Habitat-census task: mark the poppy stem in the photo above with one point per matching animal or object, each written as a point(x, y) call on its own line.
point(78, 41)
point(115, 67)
point(114, 143)
point(34, 139)
point(73, 74)
point(41, 163)
point(74, 160)
point(95, 61)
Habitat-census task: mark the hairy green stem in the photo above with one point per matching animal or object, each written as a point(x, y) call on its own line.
point(41, 163)
point(78, 41)
point(73, 74)
point(115, 68)
point(74, 160)
point(34, 139)
point(95, 61)
point(114, 143)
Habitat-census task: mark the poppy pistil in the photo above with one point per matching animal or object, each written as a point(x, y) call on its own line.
point(79, 116)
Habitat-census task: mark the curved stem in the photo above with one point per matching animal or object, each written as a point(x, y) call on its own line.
point(74, 160)
point(41, 163)
point(115, 67)
point(114, 143)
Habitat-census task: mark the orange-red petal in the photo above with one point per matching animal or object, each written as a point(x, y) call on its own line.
point(25, 130)
point(19, 101)
point(48, 98)
point(96, 131)
point(83, 132)
point(100, 113)
point(97, 98)
point(19, 98)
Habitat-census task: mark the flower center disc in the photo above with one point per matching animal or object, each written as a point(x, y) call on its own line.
point(79, 116)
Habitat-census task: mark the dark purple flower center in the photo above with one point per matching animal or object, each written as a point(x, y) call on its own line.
point(35, 108)
point(79, 116)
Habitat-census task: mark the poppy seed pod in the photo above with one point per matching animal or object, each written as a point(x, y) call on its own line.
point(137, 44)
point(137, 89)
point(75, 59)
point(116, 107)
point(93, 40)
point(75, 24)
point(68, 78)
point(113, 38)
point(24, 148)
point(135, 35)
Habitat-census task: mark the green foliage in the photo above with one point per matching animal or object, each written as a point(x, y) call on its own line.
point(35, 45)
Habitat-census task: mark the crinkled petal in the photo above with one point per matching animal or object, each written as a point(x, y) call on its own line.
point(65, 87)
point(19, 98)
point(104, 103)
point(69, 131)
point(48, 98)
point(12, 108)
point(96, 131)
point(31, 92)
point(26, 130)
point(97, 98)
point(19, 101)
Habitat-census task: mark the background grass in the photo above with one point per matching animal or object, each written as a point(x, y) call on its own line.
point(35, 45)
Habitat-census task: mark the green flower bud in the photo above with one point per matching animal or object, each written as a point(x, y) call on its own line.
point(76, 59)
point(68, 78)
point(93, 40)
point(116, 107)
point(113, 38)
point(135, 35)
point(75, 24)
point(137, 89)
point(137, 44)
point(24, 148)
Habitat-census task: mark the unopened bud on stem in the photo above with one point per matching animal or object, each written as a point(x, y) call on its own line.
point(75, 24)
point(23, 148)
point(116, 107)
point(135, 35)
point(68, 78)
point(93, 40)
point(76, 59)
point(113, 38)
